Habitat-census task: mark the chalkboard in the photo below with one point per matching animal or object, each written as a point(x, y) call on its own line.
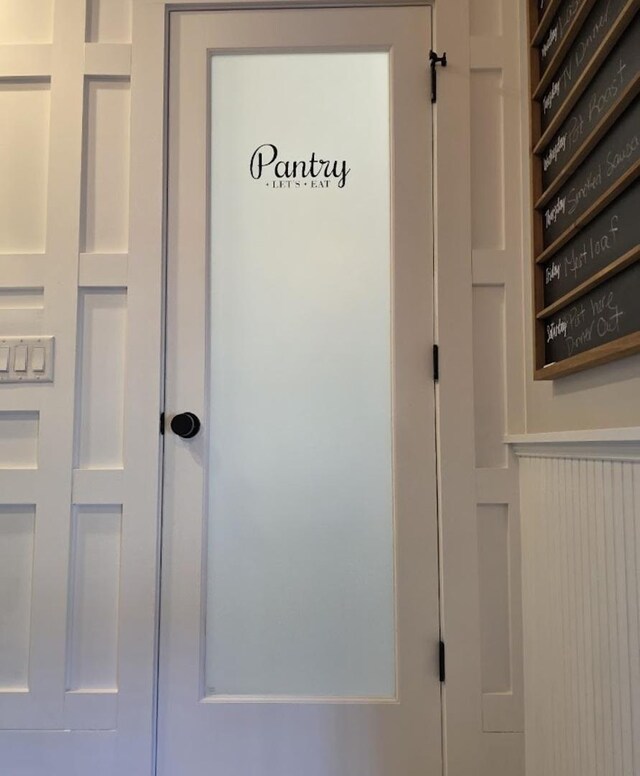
point(616, 81)
point(613, 234)
point(605, 314)
point(598, 24)
point(585, 139)
point(615, 155)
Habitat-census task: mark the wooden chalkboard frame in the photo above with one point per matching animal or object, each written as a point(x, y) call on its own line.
point(539, 23)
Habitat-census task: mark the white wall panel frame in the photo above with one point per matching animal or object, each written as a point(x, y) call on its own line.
point(496, 276)
point(107, 59)
point(460, 605)
point(41, 707)
point(39, 728)
point(26, 60)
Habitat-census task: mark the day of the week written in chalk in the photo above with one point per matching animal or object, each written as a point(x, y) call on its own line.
point(593, 182)
point(552, 37)
point(558, 29)
point(565, 77)
point(591, 248)
point(549, 98)
point(552, 272)
point(552, 154)
point(557, 209)
point(556, 329)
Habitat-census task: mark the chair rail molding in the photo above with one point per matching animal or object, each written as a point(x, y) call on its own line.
point(610, 444)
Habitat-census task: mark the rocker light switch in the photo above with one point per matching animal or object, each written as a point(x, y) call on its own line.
point(20, 358)
point(26, 359)
point(37, 359)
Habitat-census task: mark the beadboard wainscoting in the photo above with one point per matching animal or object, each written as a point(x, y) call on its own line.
point(580, 507)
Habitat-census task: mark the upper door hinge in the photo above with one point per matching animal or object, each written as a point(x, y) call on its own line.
point(434, 60)
point(436, 363)
point(162, 422)
point(441, 661)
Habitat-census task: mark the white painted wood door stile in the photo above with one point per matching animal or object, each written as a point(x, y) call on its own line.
point(300, 615)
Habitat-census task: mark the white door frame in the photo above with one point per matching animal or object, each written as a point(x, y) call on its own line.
point(459, 602)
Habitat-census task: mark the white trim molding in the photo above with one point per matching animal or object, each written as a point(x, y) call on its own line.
point(610, 444)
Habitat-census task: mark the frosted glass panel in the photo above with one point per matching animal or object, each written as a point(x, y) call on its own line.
point(300, 522)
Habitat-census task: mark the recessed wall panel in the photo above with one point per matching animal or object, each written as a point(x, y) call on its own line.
point(487, 159)
point(21, 311)
point(21, 298)
point(102, 321)
point(105, 174)
point(26, 21)
point(485, 18)
point(24, 155)
point(489, 377)
point(108, 21)
point(17, 524)
point(19, 440)
point(493, 570)
point(93, 598)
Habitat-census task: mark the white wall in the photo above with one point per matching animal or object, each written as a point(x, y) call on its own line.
point(77, 532)
point(603, 397)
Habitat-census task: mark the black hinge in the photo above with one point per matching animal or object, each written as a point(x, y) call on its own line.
point(436, 363)
point(162, 422)
point(434, 60)
point(441, 665)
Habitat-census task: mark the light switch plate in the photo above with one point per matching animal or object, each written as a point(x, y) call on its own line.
point(34, 346)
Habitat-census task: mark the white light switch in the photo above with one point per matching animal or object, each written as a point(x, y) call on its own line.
point(26, 359)
point(37, 359)
point(20, 358)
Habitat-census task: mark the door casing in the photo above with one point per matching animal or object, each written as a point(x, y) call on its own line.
point(418, 703)
point(458, 538)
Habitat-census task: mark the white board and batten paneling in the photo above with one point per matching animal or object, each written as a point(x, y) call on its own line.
point(580, 495)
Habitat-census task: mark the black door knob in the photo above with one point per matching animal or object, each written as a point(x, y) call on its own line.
point(185, 424)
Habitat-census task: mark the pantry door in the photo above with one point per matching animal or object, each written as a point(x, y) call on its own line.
point(299, 611)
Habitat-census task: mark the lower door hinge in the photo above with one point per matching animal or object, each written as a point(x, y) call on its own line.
point(436, 363)
point(162, 422)
point(441, 661)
